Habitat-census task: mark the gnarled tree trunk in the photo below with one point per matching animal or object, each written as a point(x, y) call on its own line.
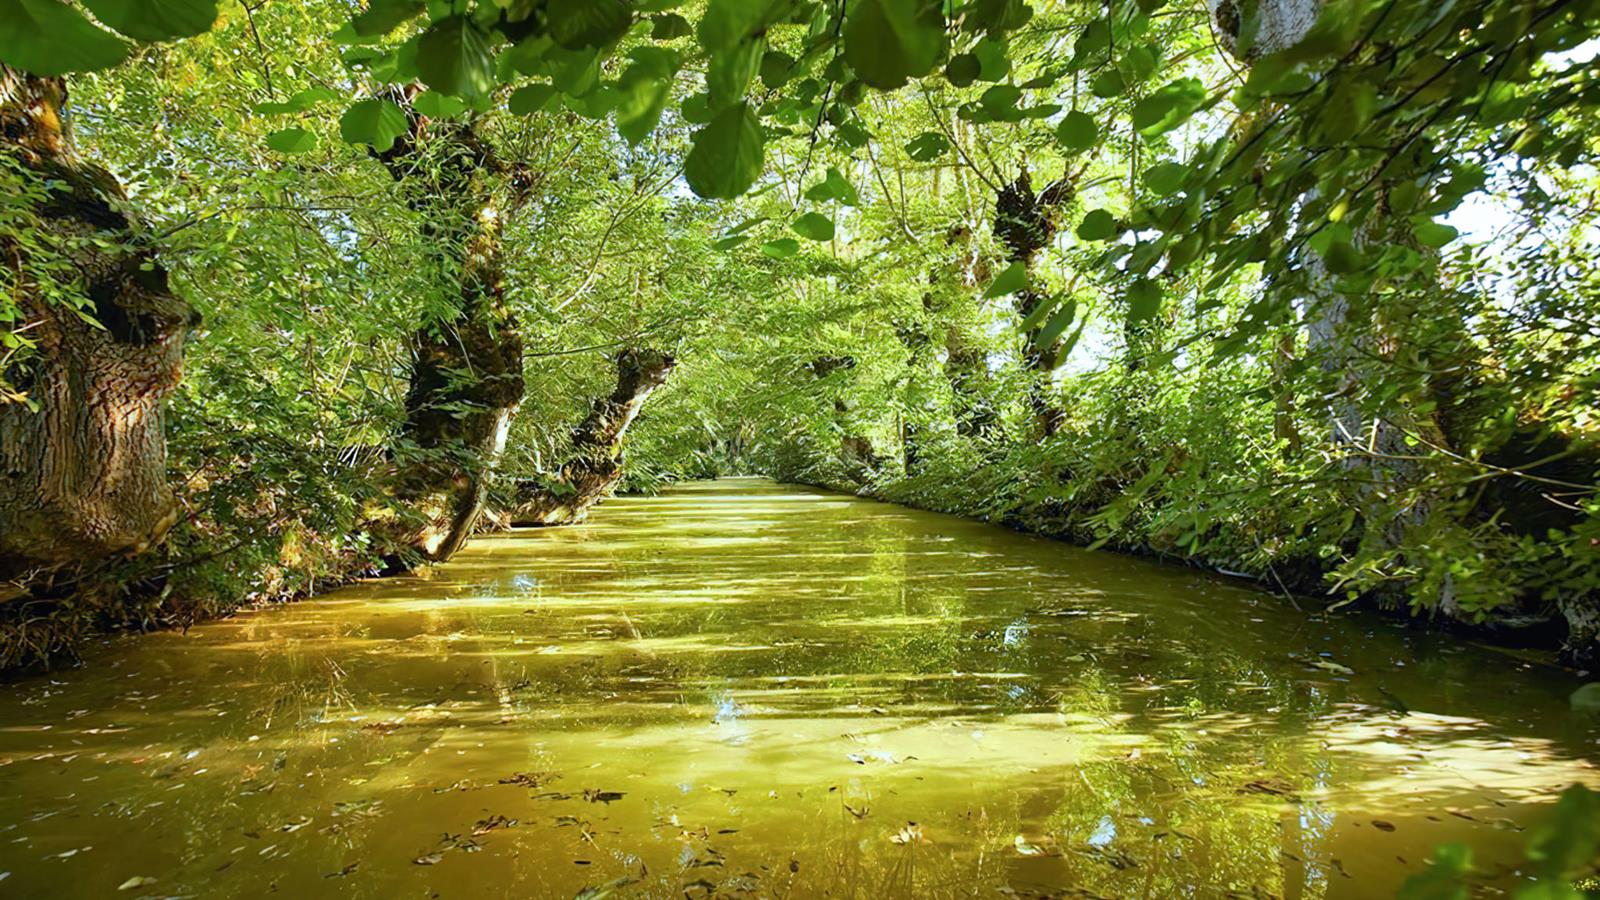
point(596, 466)
point(466, 376)
point(83, 462)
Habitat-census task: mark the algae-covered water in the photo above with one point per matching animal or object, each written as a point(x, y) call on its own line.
point(744, 689)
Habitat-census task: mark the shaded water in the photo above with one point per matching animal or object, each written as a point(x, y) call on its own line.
point(745, 689)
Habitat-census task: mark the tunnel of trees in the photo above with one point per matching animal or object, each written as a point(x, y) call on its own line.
point(300, 292)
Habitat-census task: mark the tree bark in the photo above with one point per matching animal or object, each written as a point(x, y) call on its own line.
point(83, 462)
point(466, 377)
point(596, 465)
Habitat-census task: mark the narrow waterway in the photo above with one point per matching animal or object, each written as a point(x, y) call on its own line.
point(745, 689)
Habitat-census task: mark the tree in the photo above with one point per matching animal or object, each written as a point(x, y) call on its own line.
point(466, 376)
point(596, 466)
point(82, 450)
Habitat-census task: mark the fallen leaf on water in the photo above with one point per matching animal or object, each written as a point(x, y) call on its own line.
point(1276, 787)
point(136, 881)
point(911, 833)
point(597, 796)
point(603, 890)
point(531, 779)
point(485, 826)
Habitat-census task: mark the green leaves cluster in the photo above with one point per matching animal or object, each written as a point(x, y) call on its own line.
point(51, 37)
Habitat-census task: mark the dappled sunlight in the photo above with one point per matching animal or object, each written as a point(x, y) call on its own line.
point(833, 697)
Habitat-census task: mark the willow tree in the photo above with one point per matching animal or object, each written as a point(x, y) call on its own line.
point(466, 367)
point(596, 465)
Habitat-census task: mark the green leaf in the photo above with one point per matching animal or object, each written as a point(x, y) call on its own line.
point(1347, 111)
point(1077, 131)
point(156, 20)
point(300, 102)
point(1170, 106)
point(889, 42)
point(1071, 342)
point(1571, 838)
point(696, 109)
point(1098, 225)
point(292, 140)
point(1144, 301)
point(776, 68)
point(1040, 311)
point(376, 123)
point(1108, 84)
point(730, 22)
point(670, 27)
point(454, 57)
point(731, 71)
point(595, 104)
point(1343, 258)
point(435, 105)
point(384, 16)
point(1010, 281)
point(963, 69)
point(927, 146)
point(530, 98)
point(814, 226)
point(834, 187)
point(992, 54)
point(643, 91)
point(727, 154)
point(576, 24)
point(1432, 234)
point(574, 72)
point(1057, 325)
point(782, 248)
point(47, 37)
point(1165, 178)
point(1001, 101)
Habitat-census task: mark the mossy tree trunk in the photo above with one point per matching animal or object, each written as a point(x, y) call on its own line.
point(466, 377)
point(1025, 222)
point(596, 466)
point(83, 462)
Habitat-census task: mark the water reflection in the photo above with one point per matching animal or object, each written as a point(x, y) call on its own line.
point(744, 688)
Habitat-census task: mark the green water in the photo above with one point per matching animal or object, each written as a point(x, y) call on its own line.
point(742, 689)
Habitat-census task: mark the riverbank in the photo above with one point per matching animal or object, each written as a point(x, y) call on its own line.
point(1532, 630)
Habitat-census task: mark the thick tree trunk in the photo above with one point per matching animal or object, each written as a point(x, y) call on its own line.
point(596, 465)
point(466, 377)
point(1026, 223)
point(83, 462)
